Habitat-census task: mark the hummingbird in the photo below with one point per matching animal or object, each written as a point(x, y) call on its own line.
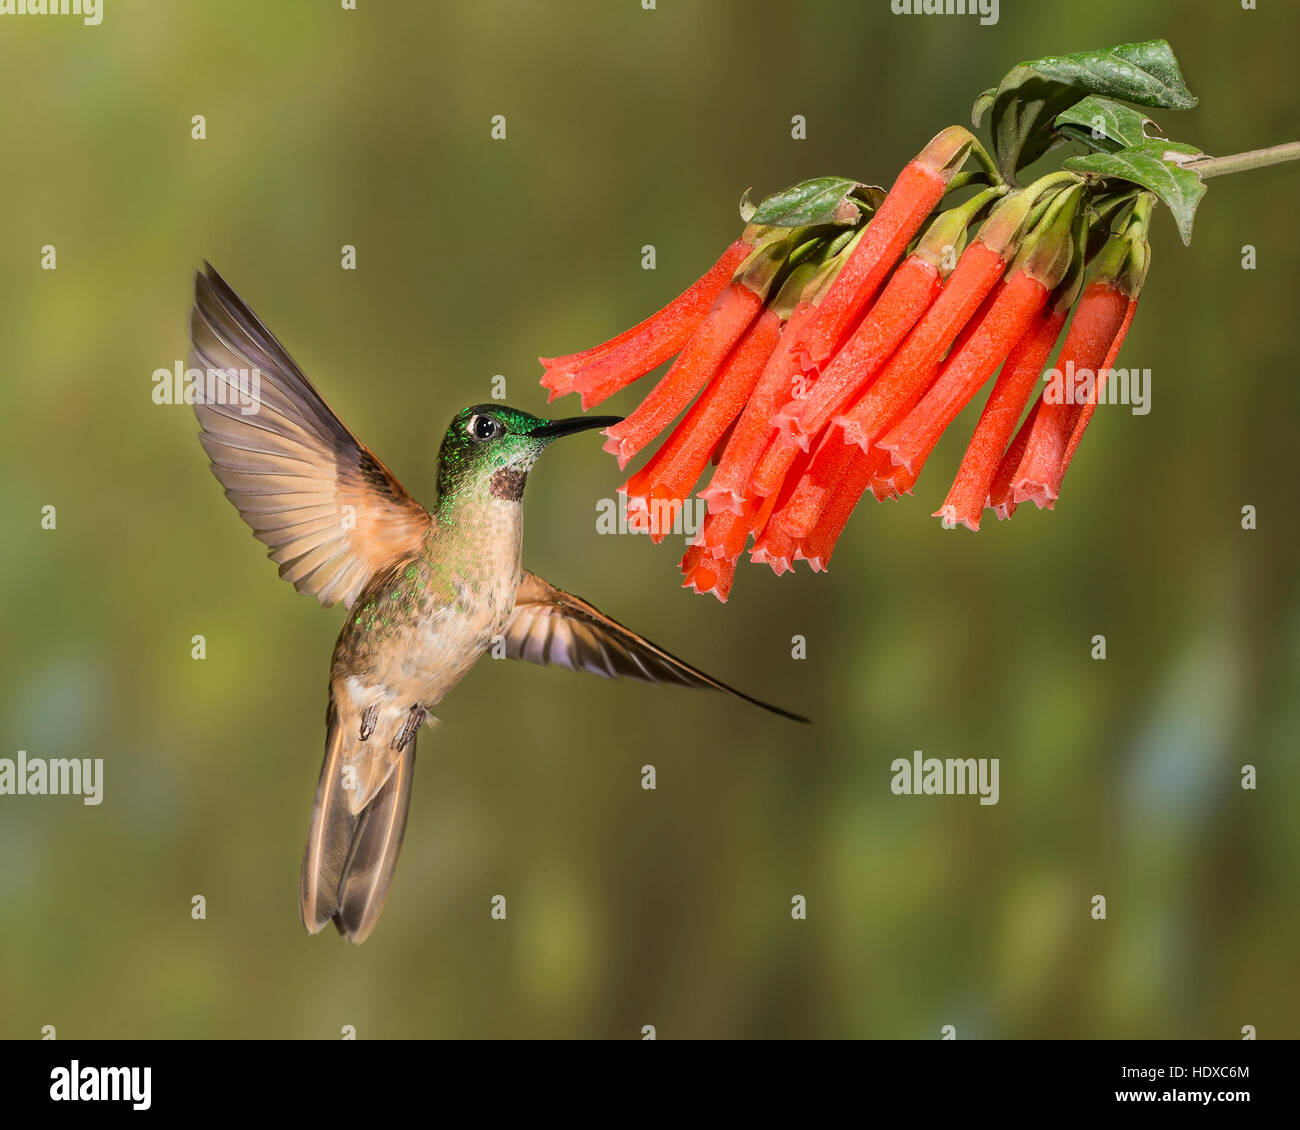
point(428, 591)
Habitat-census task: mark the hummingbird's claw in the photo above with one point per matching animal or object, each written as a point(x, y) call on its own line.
point(414, 720)
point(368, 721)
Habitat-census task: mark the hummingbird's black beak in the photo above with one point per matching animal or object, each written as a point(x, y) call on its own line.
point(574, 424)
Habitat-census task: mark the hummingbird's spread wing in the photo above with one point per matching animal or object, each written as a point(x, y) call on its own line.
point(551, 626)
point(332, 513)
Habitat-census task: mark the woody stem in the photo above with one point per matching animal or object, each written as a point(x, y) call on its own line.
point(1240, 162)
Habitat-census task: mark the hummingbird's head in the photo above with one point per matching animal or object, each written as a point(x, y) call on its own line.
point(499, 445)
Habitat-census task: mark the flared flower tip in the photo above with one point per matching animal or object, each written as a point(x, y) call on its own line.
point(714, 547)
point(852, 432)
point(900, 460)
point(777, 557)
point(1042, 495)
point(790, 428)
point(647, 514)
point(707, 574)
point(723, 500)
point(803, 358)
point(891, 482)
point(558, 381)
point(622, 449)
point(701, 582)
point(815, 563)
point(947, 514)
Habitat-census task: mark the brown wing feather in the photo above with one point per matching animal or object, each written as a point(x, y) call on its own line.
point(332, 514)
point(551, 626)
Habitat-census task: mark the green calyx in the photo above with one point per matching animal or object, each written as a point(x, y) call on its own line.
point(948, 150)
point(771, 256)
point(1049, 249)
point(950, 229)
point(796, 288)
point(794, 264)
point(1067, 290)
point(1125, 257)
point(1020, 210)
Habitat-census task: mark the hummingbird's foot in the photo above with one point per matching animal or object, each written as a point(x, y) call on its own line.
point(414, 720)
point(368, 721)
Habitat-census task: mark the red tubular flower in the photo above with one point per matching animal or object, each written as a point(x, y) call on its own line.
point(725, 532)
point(1096, 322)
point(1001, 497)
point(883, 472)
point(1014, 386)
point(723, 440)
point(1090, 405)
point(797, 516)
point(1091, 344)
point(905, 377)
point(753, 428)
point(1039, 268)
point(721, 530)
point(778, 457)
point(847, 378)
point(705, 573)
point(887, 480)
point(910, 441)
point(818, 546)
point(736, 309)
point(702, 357)
point(603, 370)
point(674, 469)
point(909, 294)
point(773, 546)
point(919, 187)
point(774, 465)
point(637, 492)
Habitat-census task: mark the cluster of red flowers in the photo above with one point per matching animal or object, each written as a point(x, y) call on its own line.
point(819, 360)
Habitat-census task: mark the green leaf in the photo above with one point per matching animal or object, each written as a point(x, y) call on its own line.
point(1103, 125)
point(1031, 95)
point(824, 200)
point(982, 104)
point(1157, 166)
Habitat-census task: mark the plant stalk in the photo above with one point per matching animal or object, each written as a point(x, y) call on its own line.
point(1240, 162)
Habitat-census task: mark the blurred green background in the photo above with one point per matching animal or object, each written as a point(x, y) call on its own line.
point(626, 127)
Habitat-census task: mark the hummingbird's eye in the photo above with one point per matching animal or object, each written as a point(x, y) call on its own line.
point(484, 428)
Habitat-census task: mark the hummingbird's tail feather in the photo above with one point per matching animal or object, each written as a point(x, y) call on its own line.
point(373, 855)
point(329, 837)
point(350, 858)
